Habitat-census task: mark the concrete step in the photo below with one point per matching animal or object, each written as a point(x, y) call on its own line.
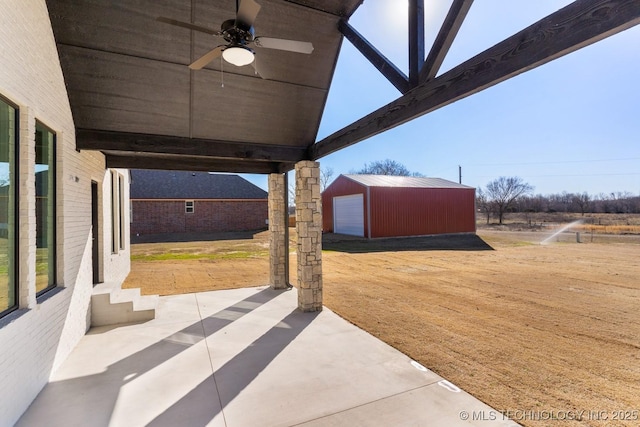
point(112, 305)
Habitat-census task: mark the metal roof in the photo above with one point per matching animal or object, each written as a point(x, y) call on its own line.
point(403, 181)
point(158, 184)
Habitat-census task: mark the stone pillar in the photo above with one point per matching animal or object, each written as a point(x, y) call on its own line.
point(309, 229)
point(278, 252)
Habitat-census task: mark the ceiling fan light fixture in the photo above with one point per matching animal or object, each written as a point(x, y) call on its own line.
point(238, 56)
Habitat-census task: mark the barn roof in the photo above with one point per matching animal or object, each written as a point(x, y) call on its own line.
point(159, 184)
point(403, 181)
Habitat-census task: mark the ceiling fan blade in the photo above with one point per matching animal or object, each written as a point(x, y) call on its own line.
point(281, 44)
point(187, 25)
point(247, 12)
point(206, 58)
point(260, 74)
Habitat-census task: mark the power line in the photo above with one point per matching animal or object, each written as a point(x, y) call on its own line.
point(556, 176)
point(555, 162)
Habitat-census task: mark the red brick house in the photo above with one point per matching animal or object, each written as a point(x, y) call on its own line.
point(194, 202)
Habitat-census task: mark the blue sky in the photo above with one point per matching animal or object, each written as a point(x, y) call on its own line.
point(570, 125)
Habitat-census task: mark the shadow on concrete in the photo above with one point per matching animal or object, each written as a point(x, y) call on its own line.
point(96, 395)
point(450, 242)
point(234, 376)
point(194, 237)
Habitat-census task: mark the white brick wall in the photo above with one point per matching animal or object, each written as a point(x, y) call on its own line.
point(37, 338)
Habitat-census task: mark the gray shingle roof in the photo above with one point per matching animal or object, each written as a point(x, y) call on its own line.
point(156, 184)
point(403, 181)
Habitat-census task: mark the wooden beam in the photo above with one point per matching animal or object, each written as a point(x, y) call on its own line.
point(386, 67)
point(577, 25)
point(89, 139)
point(201, 164)
point(447, 34)
point(416, 40)
point(286, 167)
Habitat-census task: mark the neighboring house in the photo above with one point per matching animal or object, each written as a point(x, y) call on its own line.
point(195, 202)
point(389, 206)
point(63, 217)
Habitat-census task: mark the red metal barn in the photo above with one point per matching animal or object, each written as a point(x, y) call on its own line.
point(390, 206)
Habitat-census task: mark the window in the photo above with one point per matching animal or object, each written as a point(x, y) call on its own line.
point(45, 209)
point(117, 212)
point(114, 210)
point(8, 217)
point(114, 243)
point(188, 206)
point(121, 210)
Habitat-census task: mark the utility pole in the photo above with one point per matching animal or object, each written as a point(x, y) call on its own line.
point(459, 174)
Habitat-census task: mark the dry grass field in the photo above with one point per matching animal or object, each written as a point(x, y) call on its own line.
point(525, 327)
point(591, 223)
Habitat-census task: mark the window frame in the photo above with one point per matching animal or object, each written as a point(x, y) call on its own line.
point(53, 179)
point(189, 206)
point(121, 202)
point(115, 244)
point(117, 212)
point(16, 198)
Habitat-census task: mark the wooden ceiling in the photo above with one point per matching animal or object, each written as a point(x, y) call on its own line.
point(134, 98)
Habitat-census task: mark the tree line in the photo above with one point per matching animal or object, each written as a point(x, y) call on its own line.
point(512, 194)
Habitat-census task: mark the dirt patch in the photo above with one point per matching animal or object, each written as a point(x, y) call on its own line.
point(184, 264)
point(521, 326)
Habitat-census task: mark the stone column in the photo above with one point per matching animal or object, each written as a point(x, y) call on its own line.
point(309, 229)
point(277, 232)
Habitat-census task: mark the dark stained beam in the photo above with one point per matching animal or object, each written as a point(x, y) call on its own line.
point(416, 40)
point(88, 139)
point(386, 67)
point(577, 25)
point(447, 34)
point(199, 164)
point(286, 167)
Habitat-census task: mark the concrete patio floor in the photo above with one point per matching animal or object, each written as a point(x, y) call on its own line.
point(247, 357)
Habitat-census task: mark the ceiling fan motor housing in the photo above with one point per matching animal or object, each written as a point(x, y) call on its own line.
point(237, 32)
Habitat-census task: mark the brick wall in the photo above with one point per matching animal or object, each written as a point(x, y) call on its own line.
point(38, 337)
point(209, 216)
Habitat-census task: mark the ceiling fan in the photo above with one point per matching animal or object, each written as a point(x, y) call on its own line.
point(239, 34)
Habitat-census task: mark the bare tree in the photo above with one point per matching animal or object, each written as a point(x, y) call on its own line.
point(537, 203)
point(504, 191)
point(483, 204)
point(621, 200)
point(634, 204)
point(325, 177)
point(582, 201)
point(386, 167)
point(292, 193)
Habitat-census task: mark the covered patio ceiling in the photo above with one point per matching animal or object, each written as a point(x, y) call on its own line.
point(134, 98)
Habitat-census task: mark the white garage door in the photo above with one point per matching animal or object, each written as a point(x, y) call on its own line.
point(348, 215)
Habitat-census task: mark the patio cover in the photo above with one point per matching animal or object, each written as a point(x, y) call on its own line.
point(134, 98)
